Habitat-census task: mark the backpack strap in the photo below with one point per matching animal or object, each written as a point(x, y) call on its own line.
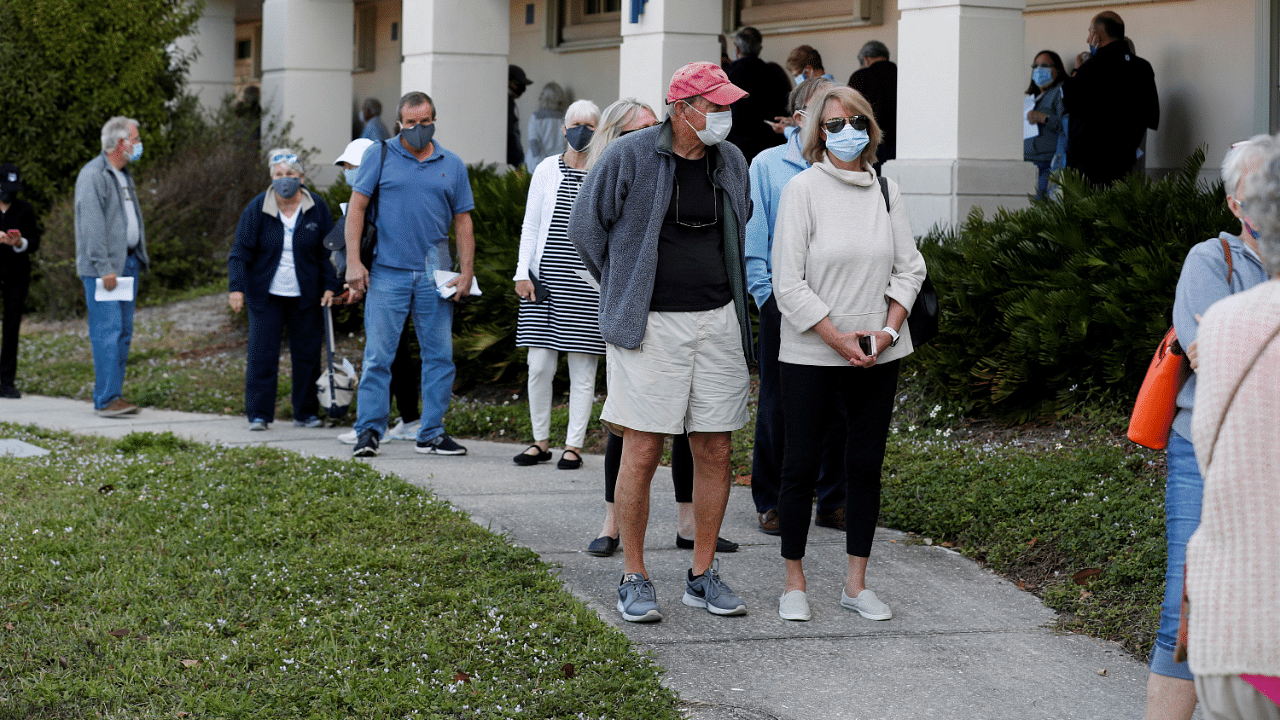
point(1226, 253)
point(884, 190)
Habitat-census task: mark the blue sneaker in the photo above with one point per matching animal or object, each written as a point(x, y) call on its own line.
point(709, 591)
point(637, 599)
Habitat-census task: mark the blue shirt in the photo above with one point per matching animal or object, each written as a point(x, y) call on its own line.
point(771, 170)
point(416, 204)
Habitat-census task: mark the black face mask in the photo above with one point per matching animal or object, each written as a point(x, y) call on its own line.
point(579, 136)
point(419, 136)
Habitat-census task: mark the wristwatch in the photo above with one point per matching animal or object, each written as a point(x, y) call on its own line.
point(892, 333)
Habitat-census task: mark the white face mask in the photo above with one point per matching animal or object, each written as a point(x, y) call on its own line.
point(718, 125)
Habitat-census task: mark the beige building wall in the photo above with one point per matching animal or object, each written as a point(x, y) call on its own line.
point(584, 74)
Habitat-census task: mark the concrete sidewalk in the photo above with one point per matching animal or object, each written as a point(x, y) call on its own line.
point(963, 643)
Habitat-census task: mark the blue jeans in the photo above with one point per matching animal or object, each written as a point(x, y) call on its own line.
point(393, 295)
point(1042, 179)
point(1182, 495)
point(110, 333)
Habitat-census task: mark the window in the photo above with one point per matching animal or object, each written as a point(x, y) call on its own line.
point(366, 38)
point(244, 49)
point(584, 24)
point(788, 15)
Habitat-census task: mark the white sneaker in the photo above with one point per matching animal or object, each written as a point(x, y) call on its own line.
point(794, 606)
point(348, 437)
point(866, 604)
point(404, 431)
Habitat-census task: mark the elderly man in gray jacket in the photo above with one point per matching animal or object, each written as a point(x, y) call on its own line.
point(660, 223)
point(110, 245)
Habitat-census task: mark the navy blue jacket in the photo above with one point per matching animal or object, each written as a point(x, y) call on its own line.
point(260, 241)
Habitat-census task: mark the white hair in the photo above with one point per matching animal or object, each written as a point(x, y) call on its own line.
point(1244, 156)
point(1262, 190)
point(116, 129)
point(582, 110)
point(295, 165)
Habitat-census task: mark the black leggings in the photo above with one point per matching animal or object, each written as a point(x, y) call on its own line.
point(809, 397)
point(406, 375)
point(681, 466)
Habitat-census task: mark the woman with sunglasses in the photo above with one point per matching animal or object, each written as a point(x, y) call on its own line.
point(845, 271)
point(1047, 74)
point(280, 270)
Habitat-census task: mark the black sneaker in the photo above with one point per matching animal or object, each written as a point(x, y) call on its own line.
point(442, 445)
point(366, 444)
point(9, 391)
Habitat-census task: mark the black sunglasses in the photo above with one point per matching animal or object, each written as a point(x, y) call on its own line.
point(835, 125)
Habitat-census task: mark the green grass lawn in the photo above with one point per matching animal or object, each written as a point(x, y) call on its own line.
point(153, 577)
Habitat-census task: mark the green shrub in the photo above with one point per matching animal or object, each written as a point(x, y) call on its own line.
point(1061, 304)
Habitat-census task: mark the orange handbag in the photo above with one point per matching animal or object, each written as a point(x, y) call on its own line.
point(1157, 400)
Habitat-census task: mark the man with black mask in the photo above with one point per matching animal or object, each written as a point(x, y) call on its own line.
point(19, 238)
point(517, 82)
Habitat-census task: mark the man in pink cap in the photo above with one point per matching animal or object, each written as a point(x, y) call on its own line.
point(660, 222)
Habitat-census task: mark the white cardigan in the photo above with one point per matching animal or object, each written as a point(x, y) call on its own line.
point(838, 254)
point(538, 209)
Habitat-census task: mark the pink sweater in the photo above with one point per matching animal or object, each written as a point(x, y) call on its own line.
point(1233, 559)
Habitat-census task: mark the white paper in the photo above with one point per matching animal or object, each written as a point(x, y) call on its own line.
point(123, 291)
point(1029, 129)
point(446, 292)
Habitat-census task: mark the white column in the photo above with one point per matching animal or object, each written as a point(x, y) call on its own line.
point(670, 35)
point(960, 109)
point(212, 74)
point(306, 75)
point(456, 52)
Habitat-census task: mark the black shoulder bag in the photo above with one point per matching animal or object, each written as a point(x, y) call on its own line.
point(923, 319)
point(369, 237)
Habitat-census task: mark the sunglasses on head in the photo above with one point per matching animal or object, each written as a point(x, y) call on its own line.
point(836, 124)
point(289, 158)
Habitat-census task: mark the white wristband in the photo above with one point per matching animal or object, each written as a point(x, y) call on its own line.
point(893, 334)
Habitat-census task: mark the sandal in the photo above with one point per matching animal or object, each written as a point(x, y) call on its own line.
point(567, 464)
point(525, 459)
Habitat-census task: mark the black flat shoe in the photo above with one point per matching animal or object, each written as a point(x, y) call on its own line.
point(722, 545)
point(603, 546)
point(567, 464)
point(524, 459)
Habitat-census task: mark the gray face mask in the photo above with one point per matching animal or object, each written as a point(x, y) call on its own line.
point(286, 187)
point(419, 136)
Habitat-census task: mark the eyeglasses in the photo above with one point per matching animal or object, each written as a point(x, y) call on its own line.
point(836, 124)
point(715, 204)
point(288, 158)
point(627, 132)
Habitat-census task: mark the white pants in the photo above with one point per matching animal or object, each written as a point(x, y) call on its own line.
point(582, 392)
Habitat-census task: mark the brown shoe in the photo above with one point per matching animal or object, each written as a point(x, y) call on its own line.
point(117, 408)
point(769, 523)
point(831, 519)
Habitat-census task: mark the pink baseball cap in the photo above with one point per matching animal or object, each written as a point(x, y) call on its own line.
point(705, 79)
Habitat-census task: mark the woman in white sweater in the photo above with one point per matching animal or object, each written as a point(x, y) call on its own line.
point(845, 271)
point(1233, 558)
point(559, 312)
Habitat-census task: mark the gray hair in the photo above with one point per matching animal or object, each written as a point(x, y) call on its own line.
point(415, 99)
point(582, 110)
point(612, 120)
point(295, 165)
point(1263, 191)
point(371, 108)
point(116, 129)
point(748, 42)
point(1243, 157)
point(551, 97)
point(804, 92)
point(874, 49)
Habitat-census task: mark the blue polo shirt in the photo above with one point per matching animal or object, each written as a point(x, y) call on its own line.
point(416, 204)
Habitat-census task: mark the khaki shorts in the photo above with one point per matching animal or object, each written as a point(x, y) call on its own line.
point(688, 374)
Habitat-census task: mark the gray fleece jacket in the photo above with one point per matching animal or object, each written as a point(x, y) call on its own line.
point(618, 215)
point(101, 245)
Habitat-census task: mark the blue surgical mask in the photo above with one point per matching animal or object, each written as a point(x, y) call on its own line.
point(419, 136)
point(136, 154)
point(800, 78)
point(286, 187)
point(578, 137)
point(1041, 76)
point(350, 175)
point(848, 143)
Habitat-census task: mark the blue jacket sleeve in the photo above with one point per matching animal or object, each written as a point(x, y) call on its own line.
point(759, 237)
point(245, 247)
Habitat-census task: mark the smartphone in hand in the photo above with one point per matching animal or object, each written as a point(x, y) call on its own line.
point(868, 345)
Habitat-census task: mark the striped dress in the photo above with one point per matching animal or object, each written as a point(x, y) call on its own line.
point(567, 320)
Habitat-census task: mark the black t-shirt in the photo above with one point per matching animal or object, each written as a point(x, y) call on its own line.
point(21, 217)
point(691, 274)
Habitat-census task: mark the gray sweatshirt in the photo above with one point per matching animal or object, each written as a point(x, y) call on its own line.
point(619, 213)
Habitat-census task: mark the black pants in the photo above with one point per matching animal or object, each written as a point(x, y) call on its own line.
point(810, 396)
point(766, 463)
point(14, 282)
point(266, 324)
point(406, 375)
point(681, 466)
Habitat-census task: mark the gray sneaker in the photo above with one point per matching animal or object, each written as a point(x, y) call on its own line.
point(637, 599)
point(709, 591)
